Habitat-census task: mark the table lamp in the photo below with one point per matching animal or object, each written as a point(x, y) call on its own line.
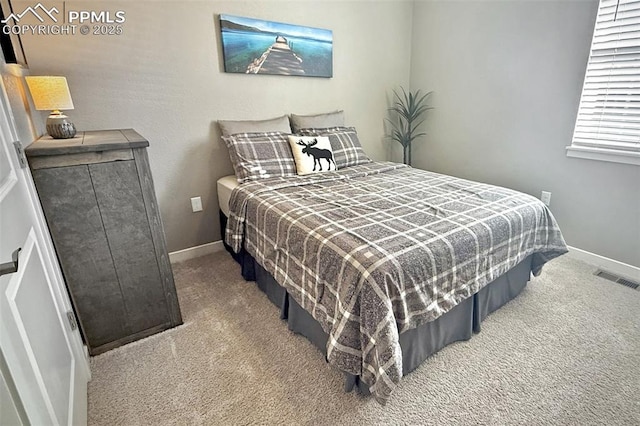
point(52, 93)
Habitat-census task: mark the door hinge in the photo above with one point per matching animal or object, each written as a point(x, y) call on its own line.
point(22, 159)
point(72, 320)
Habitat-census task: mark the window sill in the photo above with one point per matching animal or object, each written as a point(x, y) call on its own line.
point(603, 154)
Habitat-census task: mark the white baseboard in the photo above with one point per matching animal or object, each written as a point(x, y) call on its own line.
point(619, 268)
point(196, 251)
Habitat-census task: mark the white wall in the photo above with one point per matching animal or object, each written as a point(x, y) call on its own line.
point(164, 77)
point(507, 77)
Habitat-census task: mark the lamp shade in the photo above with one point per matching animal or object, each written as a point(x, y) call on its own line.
point(49, 92)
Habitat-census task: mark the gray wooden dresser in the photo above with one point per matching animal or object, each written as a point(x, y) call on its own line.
point(98, 198)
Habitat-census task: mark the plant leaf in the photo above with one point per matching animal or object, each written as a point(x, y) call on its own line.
point(408, 109)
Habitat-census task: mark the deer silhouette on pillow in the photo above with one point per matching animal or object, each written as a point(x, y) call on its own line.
point(317, 154)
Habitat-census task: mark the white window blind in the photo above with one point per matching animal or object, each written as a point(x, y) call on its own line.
point(608, 122)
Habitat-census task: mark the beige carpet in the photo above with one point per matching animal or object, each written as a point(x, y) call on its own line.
point(566, 351)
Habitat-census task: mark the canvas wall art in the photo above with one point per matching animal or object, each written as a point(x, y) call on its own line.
point(254, 46)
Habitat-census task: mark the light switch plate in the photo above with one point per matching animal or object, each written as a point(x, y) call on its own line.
point(196, 204)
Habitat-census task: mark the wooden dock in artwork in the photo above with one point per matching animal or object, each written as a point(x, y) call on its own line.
point(277, 59)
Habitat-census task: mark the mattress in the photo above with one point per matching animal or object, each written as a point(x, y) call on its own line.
point(225, 186)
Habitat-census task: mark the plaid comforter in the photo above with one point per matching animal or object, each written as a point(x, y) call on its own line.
point(373, 250)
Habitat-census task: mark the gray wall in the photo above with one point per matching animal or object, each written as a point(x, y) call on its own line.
point(27, 128)
point(164, 77)
point(507, 78)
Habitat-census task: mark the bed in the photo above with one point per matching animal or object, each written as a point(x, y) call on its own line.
point(379, 264)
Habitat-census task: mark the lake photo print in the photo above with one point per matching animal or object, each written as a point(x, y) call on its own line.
point(254, 46)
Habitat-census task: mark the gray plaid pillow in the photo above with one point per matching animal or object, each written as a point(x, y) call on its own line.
point(260, 155)
point(347, 150)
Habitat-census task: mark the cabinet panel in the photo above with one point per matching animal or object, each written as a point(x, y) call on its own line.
point(157, 233)
point(119, 195)
point(73, 217)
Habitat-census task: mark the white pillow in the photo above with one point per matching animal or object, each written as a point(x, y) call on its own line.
point(312, 154)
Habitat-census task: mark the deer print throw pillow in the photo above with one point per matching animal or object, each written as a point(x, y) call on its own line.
point(347, 150)
point(312, 154)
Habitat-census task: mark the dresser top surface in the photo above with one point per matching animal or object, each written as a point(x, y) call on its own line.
point(88, 141)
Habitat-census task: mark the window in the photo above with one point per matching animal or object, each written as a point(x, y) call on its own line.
point(608, 123)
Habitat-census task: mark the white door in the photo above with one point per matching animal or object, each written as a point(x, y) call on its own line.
point(45, 374)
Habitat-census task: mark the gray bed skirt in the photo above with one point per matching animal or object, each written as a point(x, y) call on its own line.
point(417, 344)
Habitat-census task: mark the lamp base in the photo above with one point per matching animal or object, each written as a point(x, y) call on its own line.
point(60, 127)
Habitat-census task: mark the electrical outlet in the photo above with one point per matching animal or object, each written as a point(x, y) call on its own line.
point(546, 197)
point(196, 204)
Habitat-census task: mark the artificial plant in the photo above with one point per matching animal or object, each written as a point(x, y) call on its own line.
point(407, 114)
